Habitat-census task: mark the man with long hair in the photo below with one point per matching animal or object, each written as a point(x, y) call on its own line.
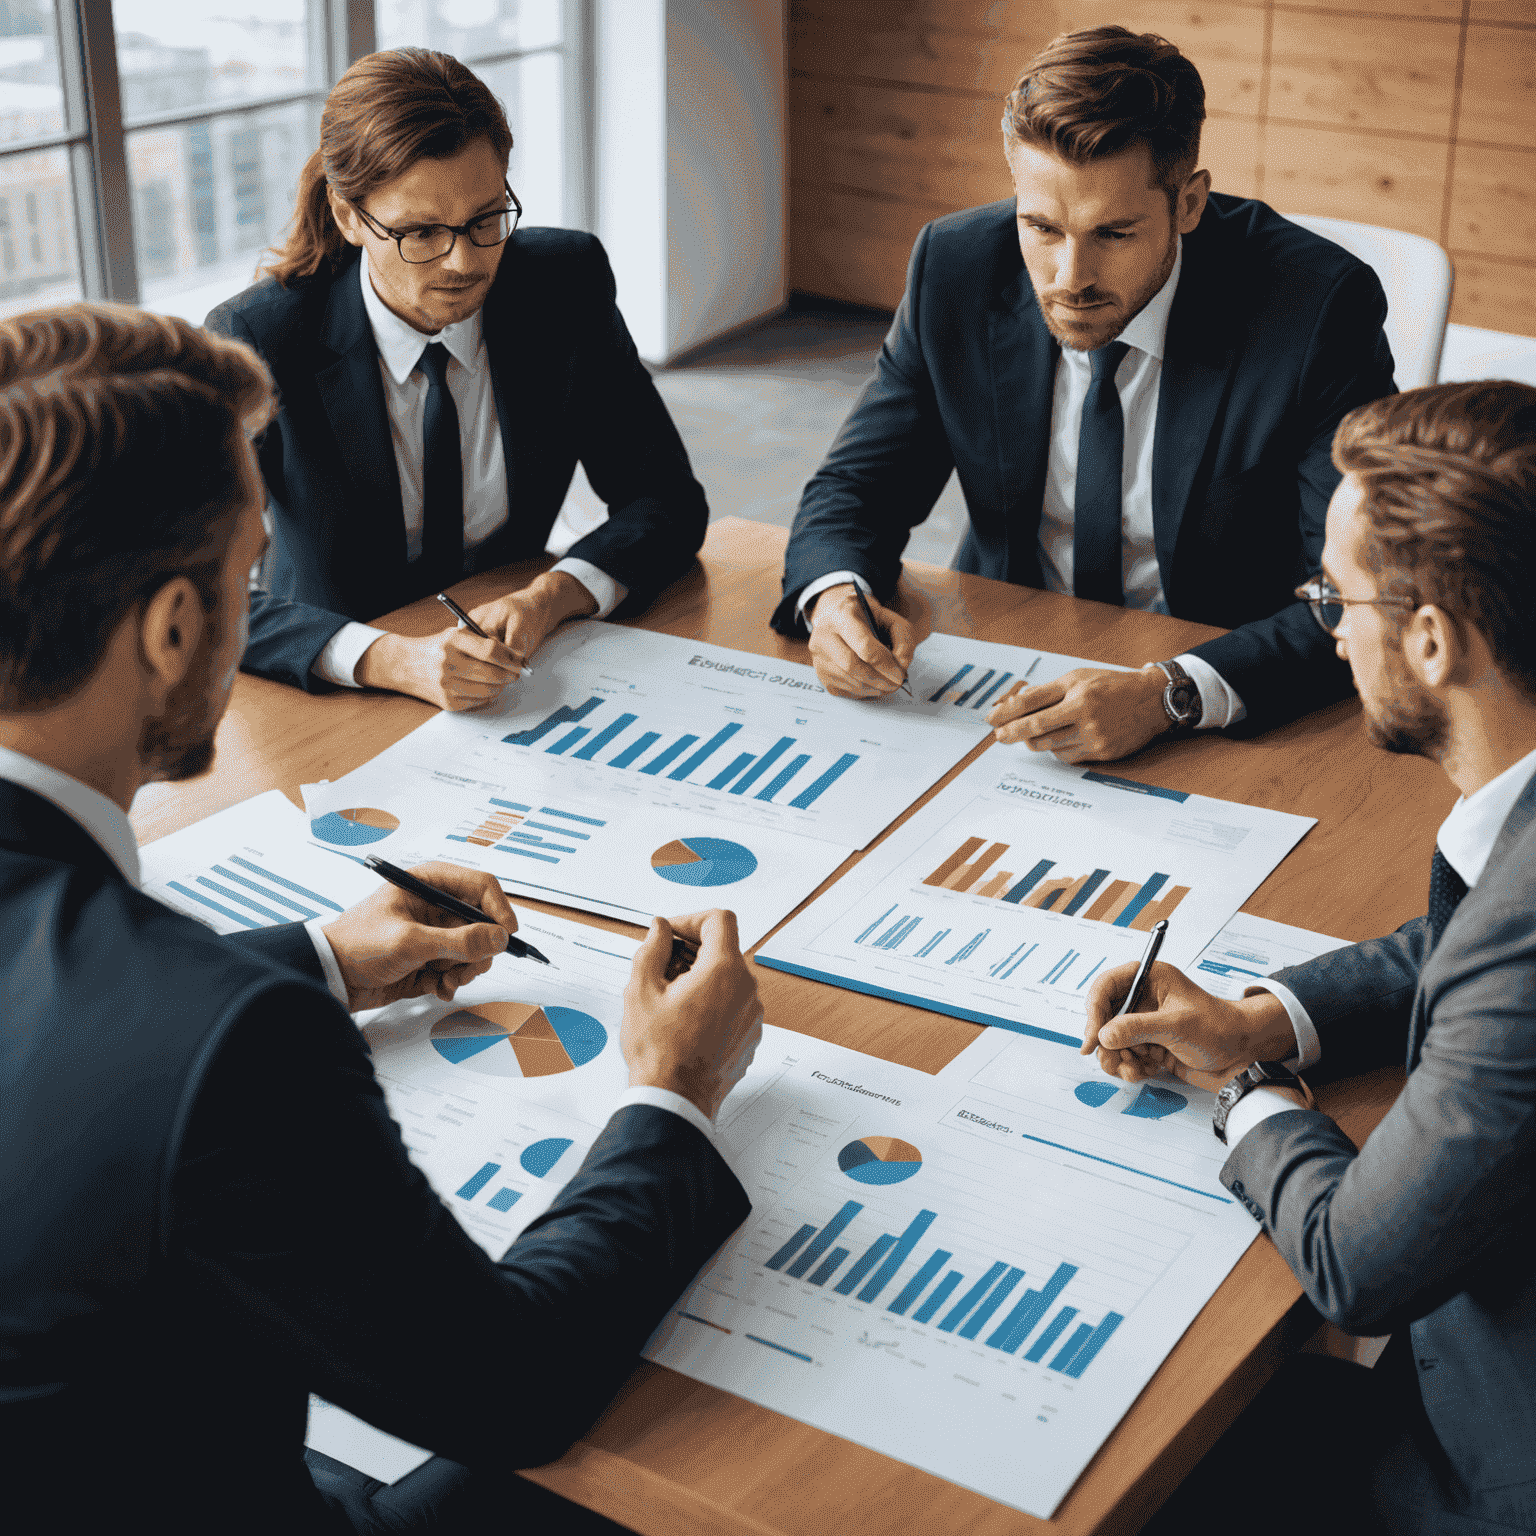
point(1136, 380)
point(440, 373)
point(1424, 1232)
point(206, 1212)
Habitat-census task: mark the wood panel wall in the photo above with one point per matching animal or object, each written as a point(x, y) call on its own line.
point(1415, 114)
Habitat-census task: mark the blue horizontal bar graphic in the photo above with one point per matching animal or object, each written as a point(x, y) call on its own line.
point(261, 890)
point(869, 989)
point(540, 826)
point(208, 901)
point(287, 885)
point(541, 842)
point(510, 805)
point(1111, 1163)
point(1135, 786)
point(245, 901)
point(782, 1349)
point(591, 821)
point(527, 853)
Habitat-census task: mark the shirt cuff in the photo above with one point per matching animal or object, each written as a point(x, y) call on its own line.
point(328, 962)
point(664, 1098)
point(1256, 1105)
point(607, 593)
point(1220, 702)
point(337, 663)
point(1309, 1049)
point(820, 585)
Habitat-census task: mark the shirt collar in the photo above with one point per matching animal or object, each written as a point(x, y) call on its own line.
point(101, 817)
point(1149, 330)
point(401, 345)
point(1467, 835)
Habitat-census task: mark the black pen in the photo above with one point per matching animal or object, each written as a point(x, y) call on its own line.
point(471, 626)
point(882, 635)
point(1139, 980)
point(518, 948)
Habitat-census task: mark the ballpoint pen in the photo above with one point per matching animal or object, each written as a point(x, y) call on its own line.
point(519, 949)
point(1139, 980)
point(882, 635)
point(471, 626)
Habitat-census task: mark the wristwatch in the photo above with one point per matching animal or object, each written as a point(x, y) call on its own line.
point(1273, 1074)
point(1181, 698)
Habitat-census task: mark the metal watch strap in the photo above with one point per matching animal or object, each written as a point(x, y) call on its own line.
point(1181, 698)
point(1258, 1074)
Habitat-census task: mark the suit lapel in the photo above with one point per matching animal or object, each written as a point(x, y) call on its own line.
point(1024, 356)
point(1505, 846)
point(500, 325)
point(1198, 356)
point(353, 396)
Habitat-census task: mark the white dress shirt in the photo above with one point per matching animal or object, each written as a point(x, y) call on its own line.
point(104, 821)
point(485, 472)
point(1136, 381)
point(1465, 839)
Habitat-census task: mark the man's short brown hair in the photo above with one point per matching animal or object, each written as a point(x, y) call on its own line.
point(1449, 480)
point(1088, 95)
point(123, 464)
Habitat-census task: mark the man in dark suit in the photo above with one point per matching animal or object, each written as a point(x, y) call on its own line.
point(1136, 381)
point(440, 374)
point(1424, 1232)
point(207, 1210)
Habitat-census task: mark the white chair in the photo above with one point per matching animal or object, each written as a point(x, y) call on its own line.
point(1417, 276)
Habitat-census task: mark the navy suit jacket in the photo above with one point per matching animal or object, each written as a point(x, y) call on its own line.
point(206, 1213)
point(1427, 1227)
point(1274, 334)
point(569, 387)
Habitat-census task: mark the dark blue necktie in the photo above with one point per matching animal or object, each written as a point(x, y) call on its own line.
point(1096, 504)
point(442, 479)
point(1446, 888)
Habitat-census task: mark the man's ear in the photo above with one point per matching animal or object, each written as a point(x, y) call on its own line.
point(1192, 201)
point(171, 626)
point(346, 218)
point(1435, 647)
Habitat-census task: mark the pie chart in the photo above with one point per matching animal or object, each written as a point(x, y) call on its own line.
point(518, 1039)
point(354, 827)
point(703, 861)
point(541, 1156)
point(879, 1160)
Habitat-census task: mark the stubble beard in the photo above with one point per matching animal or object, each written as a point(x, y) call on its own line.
point(179, 744)
point(1134, 307)
point(1412, 723)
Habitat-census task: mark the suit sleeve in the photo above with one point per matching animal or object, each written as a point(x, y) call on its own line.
point(285, 944)
point(284, 637)
point(1441, 1190)
point(1359, 999)
point(883, 473)
point(1285, 666)
point(634, 459)
point(345, 1279)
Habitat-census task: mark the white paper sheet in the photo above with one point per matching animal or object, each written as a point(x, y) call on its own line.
point(680, 725)
point(873, 1185)
point(1010, 829)
point(1250, 948)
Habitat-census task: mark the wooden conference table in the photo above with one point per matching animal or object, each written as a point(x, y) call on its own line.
point(672, 1455)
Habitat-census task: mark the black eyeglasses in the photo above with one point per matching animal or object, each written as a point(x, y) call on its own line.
point(1328, 605)
point(432, 242)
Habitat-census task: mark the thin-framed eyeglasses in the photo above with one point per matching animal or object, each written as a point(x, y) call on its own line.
point(1328, 604)
point(432, 242)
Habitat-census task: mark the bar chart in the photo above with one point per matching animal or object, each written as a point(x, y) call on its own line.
point(764, 775)
point(972, 687)
point(1096, 896)
point(810, 1255)
point(252, 895)
point(544, 833)
point(503, 1199)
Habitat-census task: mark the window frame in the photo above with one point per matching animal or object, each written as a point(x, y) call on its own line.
point(95, 134)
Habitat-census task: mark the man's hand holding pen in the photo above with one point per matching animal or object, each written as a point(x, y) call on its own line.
point(850, 658)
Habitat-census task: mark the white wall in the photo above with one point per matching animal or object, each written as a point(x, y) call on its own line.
point(691, 166)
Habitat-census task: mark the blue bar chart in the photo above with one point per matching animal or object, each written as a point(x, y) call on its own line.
point(976, 1312)
point(251, 895)
point(544, 833)
point(697, 758)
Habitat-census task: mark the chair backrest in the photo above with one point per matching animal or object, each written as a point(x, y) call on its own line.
point(1417, 276)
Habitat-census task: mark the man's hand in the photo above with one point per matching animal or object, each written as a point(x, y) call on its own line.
point(848, 659)
point(525, 619)
point(696, 1035)
point(453, 669)
point(1088, 715)
point(1182, 1029)
point(393, 945)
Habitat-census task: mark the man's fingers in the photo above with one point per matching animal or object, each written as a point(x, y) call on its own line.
point(1104, 997)
point(903, 638)
point(1026, 702)
point(472, 885)
point(712, 931)
point(650, 963)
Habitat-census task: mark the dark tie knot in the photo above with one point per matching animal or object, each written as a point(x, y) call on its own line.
point(1446, 889)
point(1106, 360)
point(434, 363)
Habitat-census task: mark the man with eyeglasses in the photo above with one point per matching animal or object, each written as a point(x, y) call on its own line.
point(1424, 1232)
point(441, 373)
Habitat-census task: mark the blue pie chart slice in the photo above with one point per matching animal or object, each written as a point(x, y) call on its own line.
point(355, 826)
point(541, 1156)
point(703, 861)
point(879, 1160)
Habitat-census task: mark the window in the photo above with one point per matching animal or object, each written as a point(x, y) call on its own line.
point(151, 152)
